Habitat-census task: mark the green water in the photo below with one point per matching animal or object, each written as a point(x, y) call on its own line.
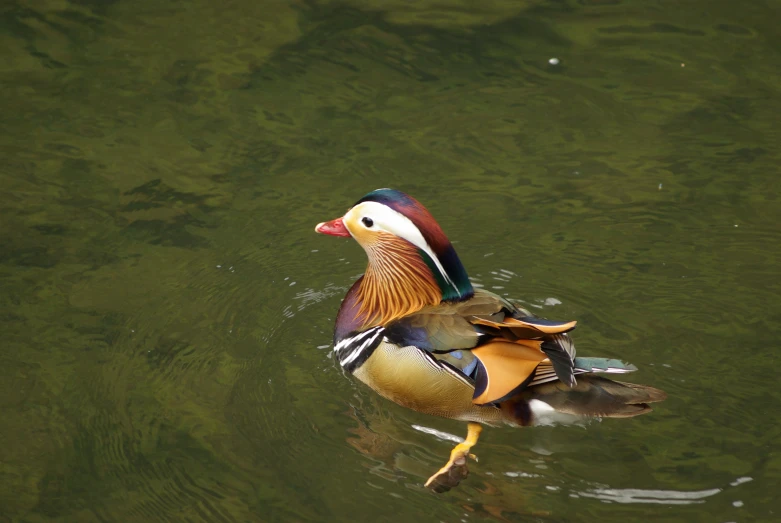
point(166, 308)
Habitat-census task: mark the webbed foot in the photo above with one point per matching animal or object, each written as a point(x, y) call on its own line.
point(455, 470)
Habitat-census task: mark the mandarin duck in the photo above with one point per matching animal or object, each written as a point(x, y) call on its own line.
point(415, 329)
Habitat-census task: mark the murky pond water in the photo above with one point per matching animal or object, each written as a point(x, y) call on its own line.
point(166, 308)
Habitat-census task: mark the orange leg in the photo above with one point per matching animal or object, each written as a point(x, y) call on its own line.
point(455, 469)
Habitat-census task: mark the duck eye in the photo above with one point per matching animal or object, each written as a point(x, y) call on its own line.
point(368, 222)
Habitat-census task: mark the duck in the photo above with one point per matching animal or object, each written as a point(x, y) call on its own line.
point(414, 329)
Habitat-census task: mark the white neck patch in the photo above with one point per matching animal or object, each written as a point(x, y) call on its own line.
point(388, 220)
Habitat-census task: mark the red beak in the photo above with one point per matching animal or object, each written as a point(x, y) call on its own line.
point(334, 228)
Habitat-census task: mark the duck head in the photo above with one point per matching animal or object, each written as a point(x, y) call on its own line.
point(412, 264)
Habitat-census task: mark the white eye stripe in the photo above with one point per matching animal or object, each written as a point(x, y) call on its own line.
point(391, 221)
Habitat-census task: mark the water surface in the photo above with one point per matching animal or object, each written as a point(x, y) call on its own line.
point(166, 307)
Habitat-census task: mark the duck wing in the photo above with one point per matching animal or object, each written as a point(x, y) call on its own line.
point(502, 347)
